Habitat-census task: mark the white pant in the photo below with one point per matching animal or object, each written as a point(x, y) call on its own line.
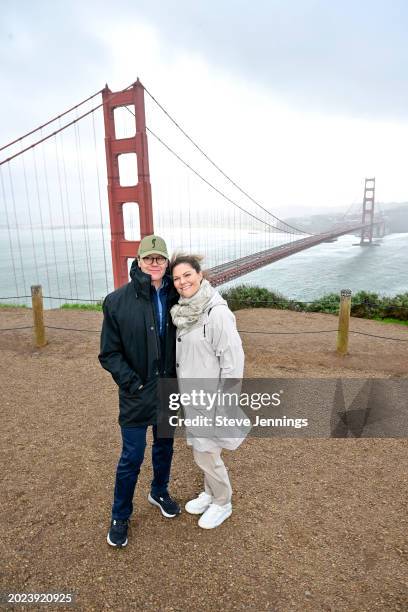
point(216, 480)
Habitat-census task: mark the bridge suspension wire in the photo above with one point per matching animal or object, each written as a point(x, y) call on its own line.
point(98, 182)
point(223, 195)
point(37, 185)
point(3, 190)
point(355, 204)
point(83, 209)
point(220, 233)
point(17, 225)
point(64, 127)
point(27, 194)
point(216, 166)
point(52, 218)
point(55, 132)
point(68, 206)
point(57, 117)
point(61, 198)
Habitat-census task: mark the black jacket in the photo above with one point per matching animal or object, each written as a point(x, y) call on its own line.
point(131, 351)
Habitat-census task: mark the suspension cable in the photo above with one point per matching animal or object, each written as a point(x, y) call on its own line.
point(68, 202)
point(245, 193)
point(63, 212)
point(213, 186)
point(17, 226)
point(9, 230)
point(60, 129)
point(37, 186)
point(50, 135)
point(28, 197)
point(50, 121)
point(51, 219)
point(82, 199)
point(100, 204)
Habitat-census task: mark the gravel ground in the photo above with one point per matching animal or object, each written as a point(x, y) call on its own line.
point(318, 525)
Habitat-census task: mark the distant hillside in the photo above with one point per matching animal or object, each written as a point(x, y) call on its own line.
point(397, 218)
point(395, 214)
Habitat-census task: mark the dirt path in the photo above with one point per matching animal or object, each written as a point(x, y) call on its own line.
point(318, 525)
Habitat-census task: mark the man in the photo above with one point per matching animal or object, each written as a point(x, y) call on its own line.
point(137, 348)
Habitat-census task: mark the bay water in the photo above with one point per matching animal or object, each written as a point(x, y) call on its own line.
point(75, 264)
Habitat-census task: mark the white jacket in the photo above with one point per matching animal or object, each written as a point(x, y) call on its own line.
point(209, 353)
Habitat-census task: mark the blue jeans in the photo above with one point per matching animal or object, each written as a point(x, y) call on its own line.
point(131, 459)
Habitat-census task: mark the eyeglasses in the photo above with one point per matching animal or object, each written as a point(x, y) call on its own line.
point(160, 260)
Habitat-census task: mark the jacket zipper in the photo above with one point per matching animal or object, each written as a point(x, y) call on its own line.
point(208, 316)
point(156, 333)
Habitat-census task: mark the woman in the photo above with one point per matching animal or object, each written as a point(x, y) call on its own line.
point(208, 347)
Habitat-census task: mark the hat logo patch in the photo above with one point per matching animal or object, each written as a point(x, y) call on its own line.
point(154, 243)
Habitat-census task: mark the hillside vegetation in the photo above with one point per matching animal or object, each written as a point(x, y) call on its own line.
point(364, 304)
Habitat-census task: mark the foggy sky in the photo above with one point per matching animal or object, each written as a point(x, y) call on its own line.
point(331, 57)
point(342, 56)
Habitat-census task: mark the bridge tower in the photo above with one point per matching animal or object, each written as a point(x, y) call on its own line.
point(368, 212)
point(381, 229)
point(118, 195)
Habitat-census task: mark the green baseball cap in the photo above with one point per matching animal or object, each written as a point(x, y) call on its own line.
point(152, 244)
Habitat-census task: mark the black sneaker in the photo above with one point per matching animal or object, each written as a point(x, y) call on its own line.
point(117, 535)
point(167, 505)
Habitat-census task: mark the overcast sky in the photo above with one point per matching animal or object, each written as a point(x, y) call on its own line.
point(298, 100)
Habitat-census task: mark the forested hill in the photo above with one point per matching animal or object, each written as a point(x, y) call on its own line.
point(396, 216)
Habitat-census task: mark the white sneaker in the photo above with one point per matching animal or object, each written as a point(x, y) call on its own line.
point(199, 504)
point(214, 516)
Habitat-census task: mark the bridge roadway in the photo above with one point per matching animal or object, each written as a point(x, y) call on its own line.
point(233, 269)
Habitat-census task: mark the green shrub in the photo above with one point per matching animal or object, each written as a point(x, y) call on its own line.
point(396, 307)
point(328, 303)
point(246, 296)
point(364, 304)
point(372, 306)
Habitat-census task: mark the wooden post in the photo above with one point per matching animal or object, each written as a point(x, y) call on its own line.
point(344, 321)
point(38, 315)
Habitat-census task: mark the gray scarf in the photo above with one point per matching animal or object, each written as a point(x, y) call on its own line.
point(186, 314)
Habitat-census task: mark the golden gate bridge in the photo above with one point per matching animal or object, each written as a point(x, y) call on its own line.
point(54, 215)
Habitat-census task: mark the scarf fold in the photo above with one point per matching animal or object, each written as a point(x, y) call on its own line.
point(186, 314)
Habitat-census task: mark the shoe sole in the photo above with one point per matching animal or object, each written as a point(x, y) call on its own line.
point(155, 503)
point(109, 541)
point(217, 524)
point(196, 511)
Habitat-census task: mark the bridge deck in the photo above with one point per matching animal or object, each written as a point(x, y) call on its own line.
point(233, 269)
